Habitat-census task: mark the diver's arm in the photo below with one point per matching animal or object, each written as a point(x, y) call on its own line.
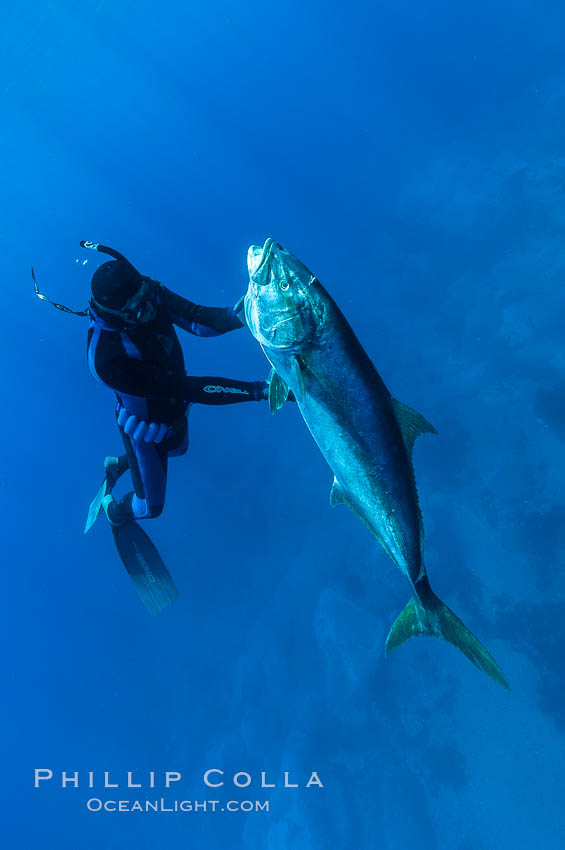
point(197, 319)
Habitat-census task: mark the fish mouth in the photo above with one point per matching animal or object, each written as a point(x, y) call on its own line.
point(258, 262)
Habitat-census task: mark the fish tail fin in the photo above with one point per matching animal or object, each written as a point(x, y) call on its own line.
point(426, 614)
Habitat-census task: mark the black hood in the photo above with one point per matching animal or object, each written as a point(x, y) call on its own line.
point(114, 282)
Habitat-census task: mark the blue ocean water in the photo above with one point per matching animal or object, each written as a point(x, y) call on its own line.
point(412, 156)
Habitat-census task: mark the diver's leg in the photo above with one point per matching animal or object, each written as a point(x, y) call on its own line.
point(148, 468)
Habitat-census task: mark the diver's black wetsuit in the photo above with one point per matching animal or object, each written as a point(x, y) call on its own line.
point(144, 365)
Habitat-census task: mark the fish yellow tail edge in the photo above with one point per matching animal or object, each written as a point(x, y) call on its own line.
point(426, 614)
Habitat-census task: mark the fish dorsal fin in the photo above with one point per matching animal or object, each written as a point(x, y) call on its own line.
point(411, 423)
point(278, 391)
point(337, 496)
point(296, 368)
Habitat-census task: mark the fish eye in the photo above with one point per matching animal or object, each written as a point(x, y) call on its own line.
point(284, 285)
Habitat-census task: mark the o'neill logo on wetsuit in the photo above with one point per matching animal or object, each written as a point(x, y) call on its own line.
point(210, 388)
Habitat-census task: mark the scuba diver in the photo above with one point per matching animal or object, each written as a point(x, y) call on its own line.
point(133, 349)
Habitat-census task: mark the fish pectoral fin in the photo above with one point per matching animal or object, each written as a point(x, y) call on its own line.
point(337, 496)
point(411, 424)
point(278, 391)
point(296, 368)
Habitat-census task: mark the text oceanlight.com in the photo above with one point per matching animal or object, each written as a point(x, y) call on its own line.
point(95, 804)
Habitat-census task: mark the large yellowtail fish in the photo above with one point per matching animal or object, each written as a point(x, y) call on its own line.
point(365, 435)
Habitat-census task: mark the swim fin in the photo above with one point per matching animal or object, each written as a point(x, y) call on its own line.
point(114, 469)
point(145, 567)
point(96, 508)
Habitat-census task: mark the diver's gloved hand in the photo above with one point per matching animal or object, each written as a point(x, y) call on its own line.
point(260, 390)
point(139, 429)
